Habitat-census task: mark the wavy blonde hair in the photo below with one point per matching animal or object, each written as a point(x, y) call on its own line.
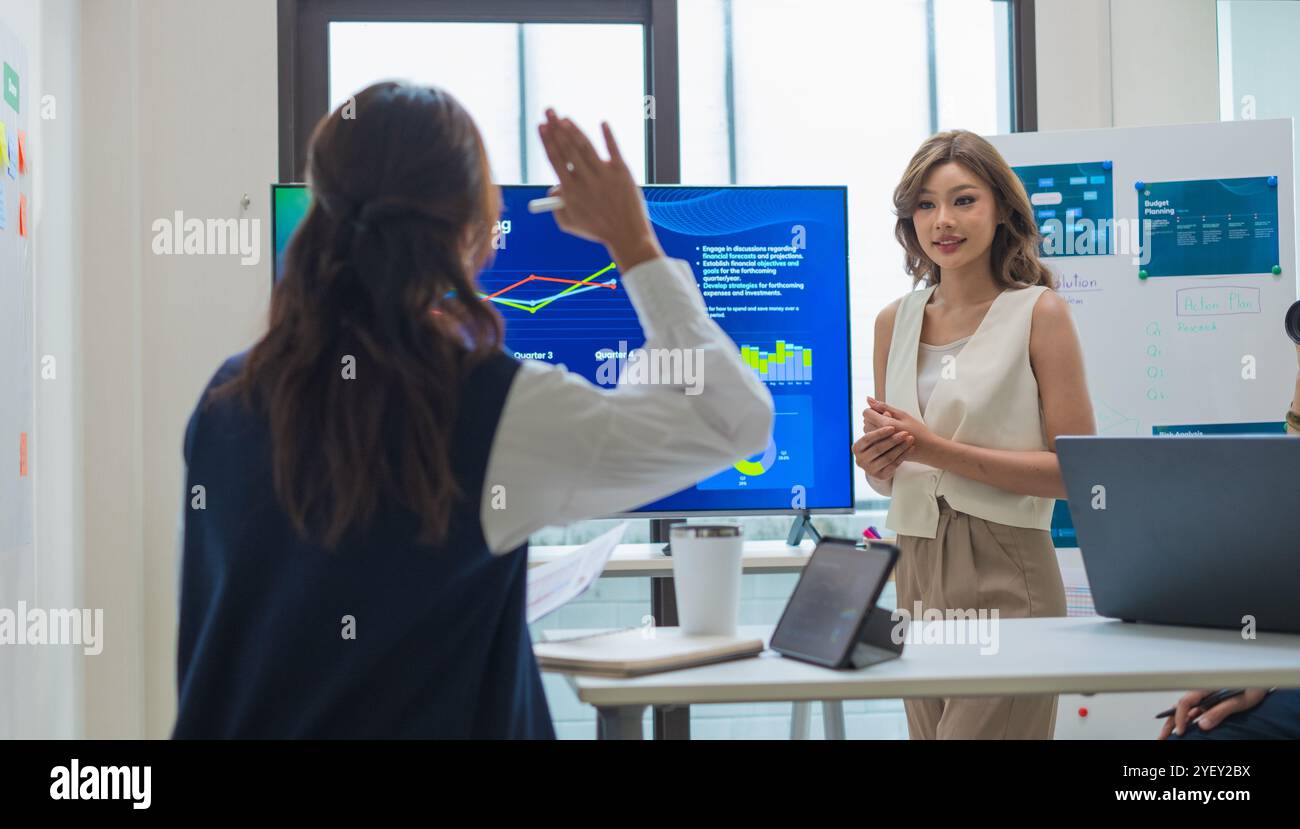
point(1014, 254)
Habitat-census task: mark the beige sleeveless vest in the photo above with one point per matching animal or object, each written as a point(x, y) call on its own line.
point(988, 397)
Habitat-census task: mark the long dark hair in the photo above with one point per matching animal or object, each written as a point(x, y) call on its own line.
point(1014, 254)
point(377, 320)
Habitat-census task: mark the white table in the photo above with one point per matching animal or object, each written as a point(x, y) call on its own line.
point(1034, 656)
point(643, 560)
point(650, 560)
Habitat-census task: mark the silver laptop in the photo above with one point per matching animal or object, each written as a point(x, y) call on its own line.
point(1189, 530)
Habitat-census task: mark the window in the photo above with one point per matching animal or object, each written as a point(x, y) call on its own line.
point(834, 92)
point(1258, 59)
point(1257, 62)
point(506, 74)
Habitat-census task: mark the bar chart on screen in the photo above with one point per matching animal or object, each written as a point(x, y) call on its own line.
point(783, 362)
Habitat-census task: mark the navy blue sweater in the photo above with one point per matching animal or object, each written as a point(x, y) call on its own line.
point(441, 646)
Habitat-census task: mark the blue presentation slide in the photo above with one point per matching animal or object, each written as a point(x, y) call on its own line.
point(1074, 205)
point(772, 264)
point(1210, 227)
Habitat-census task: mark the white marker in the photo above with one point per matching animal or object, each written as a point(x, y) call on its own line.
point(546, 205)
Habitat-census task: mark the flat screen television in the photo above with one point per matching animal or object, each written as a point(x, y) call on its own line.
point(772, 263)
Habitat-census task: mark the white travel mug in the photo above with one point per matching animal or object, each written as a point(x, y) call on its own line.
point(706, 576)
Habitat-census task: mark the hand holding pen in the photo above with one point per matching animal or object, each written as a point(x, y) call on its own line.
point(1206, 709)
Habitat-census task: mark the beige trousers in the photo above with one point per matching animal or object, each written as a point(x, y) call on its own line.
point(973, 564)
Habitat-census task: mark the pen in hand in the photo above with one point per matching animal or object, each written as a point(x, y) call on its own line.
point(546, 205)
point(1209, 702)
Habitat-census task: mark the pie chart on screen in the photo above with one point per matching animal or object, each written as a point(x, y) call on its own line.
point(764, 462)
point(787, 459)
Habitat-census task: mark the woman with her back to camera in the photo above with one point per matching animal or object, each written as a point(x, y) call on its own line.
point(981, 370)
point(360, 566)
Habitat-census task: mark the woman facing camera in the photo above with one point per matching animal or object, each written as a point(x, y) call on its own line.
point(981, 371)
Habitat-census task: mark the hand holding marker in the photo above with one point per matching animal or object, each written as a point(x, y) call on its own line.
point(601, 201)
point(548, 204)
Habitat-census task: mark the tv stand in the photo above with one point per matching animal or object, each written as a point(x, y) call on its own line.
point(802, 525)
point(661, 530)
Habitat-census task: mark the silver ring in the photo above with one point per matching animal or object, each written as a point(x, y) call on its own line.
point(568, 165)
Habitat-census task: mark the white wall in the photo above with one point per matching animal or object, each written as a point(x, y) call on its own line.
point(1126, 63)
point(1073, 63)
point(1165, 62)
point(183, 97)
point(110, 381)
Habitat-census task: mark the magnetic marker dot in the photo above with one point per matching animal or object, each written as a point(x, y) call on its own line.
point(1277, 269)
point(1142, 274)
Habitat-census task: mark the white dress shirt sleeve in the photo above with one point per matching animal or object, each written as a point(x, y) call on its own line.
point(566, 449)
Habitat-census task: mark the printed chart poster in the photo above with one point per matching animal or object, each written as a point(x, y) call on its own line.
point(1210, 227)
point(1074, 205)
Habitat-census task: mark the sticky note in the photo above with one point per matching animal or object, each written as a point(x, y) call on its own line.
point(22, 454)
point(4, 146)
point(22, 215)
point(22, 153)
point(11, 165)
point(11, 87)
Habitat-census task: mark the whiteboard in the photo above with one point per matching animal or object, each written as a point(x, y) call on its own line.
point(16, 335)
point(1177, 351)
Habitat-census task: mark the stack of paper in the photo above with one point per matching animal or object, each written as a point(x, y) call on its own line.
point(556, 583)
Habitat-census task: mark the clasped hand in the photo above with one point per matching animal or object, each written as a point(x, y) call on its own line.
point(890, 437)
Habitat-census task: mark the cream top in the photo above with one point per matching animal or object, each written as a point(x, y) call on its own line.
point(990, 400)
point(931, 366)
